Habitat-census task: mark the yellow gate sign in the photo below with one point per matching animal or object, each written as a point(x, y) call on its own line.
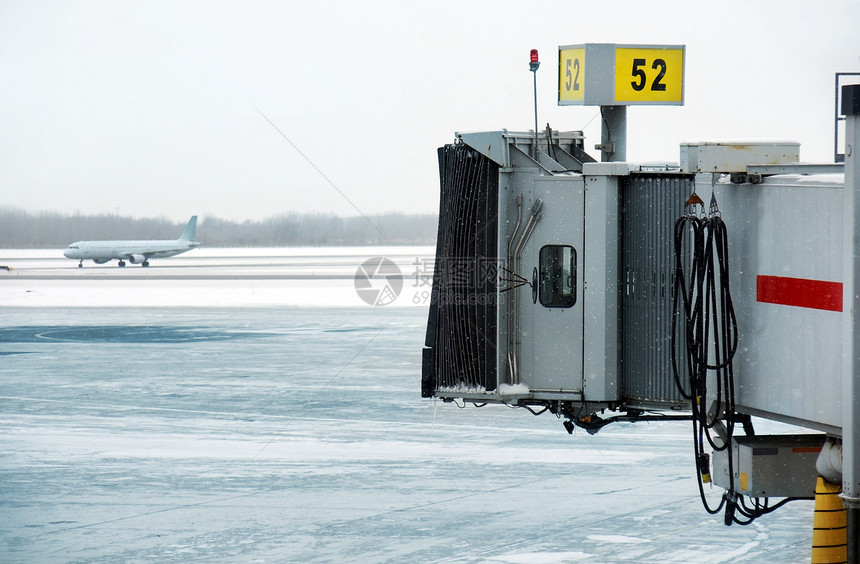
point(608, 74)
point(571, 75)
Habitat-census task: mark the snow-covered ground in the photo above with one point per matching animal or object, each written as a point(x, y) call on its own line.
point(153, 416)
point(298, 276)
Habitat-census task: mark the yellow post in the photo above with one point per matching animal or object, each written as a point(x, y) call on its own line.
point(829, 531)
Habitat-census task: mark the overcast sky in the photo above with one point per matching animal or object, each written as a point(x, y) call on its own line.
point(163, 108)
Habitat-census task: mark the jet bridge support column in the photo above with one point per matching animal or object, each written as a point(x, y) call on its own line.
point(851, 326)
point(613, 134)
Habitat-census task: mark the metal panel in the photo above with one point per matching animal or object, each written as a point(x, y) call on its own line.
point(562, 147)
point(770, 465)
point(650, 205)
point(785, 236)
point(736, 157)
point(555, 333)
point(602, 316)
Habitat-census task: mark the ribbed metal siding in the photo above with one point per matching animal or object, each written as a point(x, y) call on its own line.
point(650, 205)
point(460, 345)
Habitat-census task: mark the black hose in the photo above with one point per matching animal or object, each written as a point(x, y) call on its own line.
point(704, 297)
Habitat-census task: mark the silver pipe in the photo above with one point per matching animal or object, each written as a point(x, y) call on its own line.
point(510, 302)
point(531, 227)
point(516, 227)
point(527, 230)
point(514, 317)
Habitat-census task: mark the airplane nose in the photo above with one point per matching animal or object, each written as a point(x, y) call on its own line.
point(67, 253)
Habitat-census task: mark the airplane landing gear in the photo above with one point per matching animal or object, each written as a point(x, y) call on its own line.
point(121, 263)
point(144, 263)
point(81, 264)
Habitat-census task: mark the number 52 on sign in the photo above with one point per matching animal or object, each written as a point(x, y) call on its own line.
point(608, 74)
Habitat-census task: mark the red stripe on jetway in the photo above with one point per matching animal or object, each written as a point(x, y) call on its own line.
point(799, 292)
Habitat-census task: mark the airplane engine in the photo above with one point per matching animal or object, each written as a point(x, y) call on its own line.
point(137, 259)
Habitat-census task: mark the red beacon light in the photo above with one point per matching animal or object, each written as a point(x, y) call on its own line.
point(534, 63)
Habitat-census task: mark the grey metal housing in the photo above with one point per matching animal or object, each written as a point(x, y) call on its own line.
point(607, 344)
point(612, 346)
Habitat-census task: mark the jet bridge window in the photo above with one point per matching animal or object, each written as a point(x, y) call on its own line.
point(557, 283)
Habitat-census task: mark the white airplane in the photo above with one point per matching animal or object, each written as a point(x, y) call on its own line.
point(136, 252)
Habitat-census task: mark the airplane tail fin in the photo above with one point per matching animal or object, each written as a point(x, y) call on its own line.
point(190, 230)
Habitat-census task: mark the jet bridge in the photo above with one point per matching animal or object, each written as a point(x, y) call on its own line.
point(556, 283)
point(571, 286)
point(561, 284)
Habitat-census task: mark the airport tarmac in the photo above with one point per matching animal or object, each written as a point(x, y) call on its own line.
point(162, 417)
point(302, 276)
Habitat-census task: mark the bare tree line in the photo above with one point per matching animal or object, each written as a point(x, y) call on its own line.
point(24, 230)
